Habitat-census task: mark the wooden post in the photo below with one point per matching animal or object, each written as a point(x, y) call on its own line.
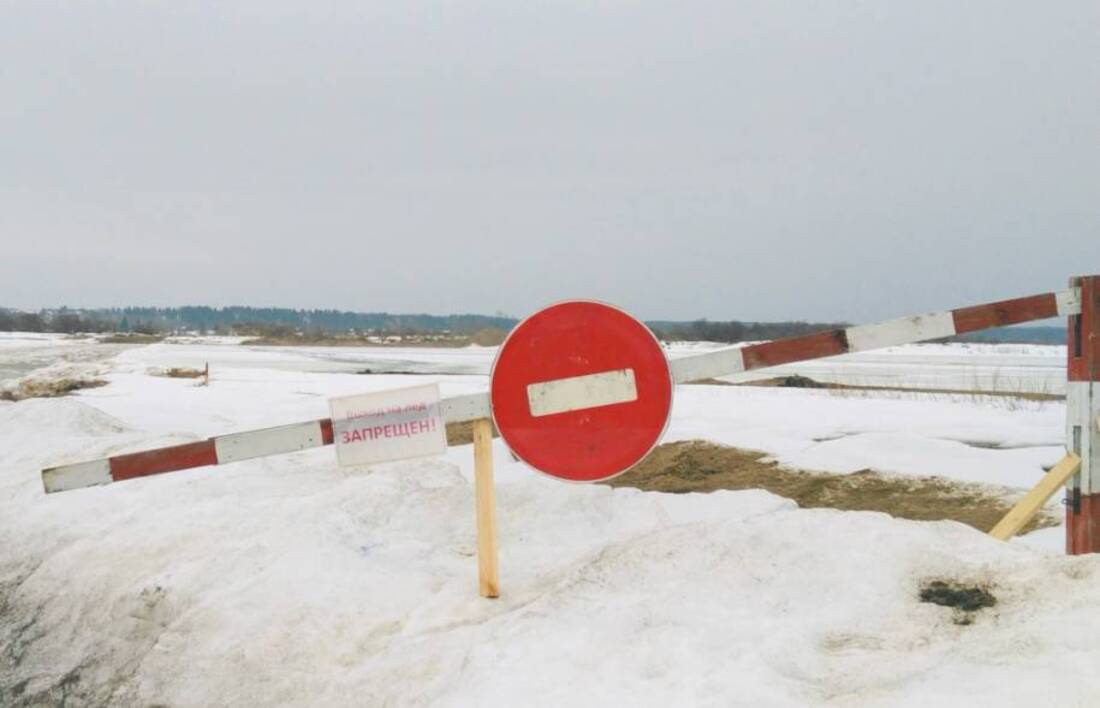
point(206, 374)
point(487, 580)
point(1027, 507)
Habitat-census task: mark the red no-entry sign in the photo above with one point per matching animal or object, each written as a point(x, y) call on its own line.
point(581, 391)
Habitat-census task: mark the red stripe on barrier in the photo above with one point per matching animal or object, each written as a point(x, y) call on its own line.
point(1084, 334)
point(1082, 523)
point(784, 351)
point(1006, 312)
point(166, 459)
point(327, 437)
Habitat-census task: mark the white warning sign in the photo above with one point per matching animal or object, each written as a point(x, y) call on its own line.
point(388, 425)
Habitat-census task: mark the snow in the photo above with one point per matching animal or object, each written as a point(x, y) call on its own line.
point(1011, 368)
point(24, 352)
point(292, 581)
point(964, 438)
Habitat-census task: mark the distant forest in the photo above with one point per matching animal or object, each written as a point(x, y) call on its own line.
point(266, 321)
point(238, 320)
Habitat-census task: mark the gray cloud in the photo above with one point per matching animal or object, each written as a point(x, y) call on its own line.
point(758, 160)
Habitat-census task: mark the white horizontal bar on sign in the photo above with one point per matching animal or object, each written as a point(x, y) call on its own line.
point(1069, 302)
point(459, 409)
point(81, 474)
point(720, 362)
point(900, 331)
point(268, 441)
point(577, 393)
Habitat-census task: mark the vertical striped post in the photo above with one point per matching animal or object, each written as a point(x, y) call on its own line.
point(1083, 420)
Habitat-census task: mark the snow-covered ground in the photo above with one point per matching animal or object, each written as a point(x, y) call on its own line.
point(1010, 368)
point(24, 352)
point(290, 580)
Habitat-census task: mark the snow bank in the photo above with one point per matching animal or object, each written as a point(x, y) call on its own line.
point(291, 581)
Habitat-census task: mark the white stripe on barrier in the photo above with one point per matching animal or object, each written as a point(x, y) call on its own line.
point(1083, 406)
point(720, 362)
point(577, 393)
point(1069, 302)
point(76, 476)
point(269, 441)
point(900, 331)
point(472, 406)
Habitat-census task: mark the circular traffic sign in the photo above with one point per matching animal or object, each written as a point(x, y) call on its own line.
point(581, 391)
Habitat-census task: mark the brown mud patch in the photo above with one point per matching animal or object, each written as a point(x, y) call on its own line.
point(48, 388)
point(966, 600)
point(699, 466)
point(463, 433)
point(132, 339)
point(180, 373)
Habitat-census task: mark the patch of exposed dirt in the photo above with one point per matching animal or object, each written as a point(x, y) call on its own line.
point(181, 373)
point(699, 466)
point(132, 339)
point(48, 388)
point(463, 433)
point(964, 599)
point(793, 381)
point(485, 337)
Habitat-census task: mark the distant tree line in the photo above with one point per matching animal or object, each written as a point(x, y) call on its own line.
point(277, 322)
point(239, 320)
point(63, 321)
point(733, 331)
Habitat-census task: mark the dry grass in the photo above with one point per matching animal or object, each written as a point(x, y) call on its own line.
point(856, 390)
point(132, 339)
point(487, 337)
point(48, 388)
point(798, 381)
point(181, 373)
point(698, 466)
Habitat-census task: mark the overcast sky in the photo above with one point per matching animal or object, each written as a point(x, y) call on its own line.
point(754, 160)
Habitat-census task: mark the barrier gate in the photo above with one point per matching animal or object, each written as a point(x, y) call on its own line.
point(1081, 477)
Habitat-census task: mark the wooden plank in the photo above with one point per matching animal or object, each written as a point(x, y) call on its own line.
point(487, 580)
point(1034, 500)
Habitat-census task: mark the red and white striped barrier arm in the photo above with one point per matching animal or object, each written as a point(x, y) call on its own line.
point(721, 362)
point(224, 449)
point(861, 338)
